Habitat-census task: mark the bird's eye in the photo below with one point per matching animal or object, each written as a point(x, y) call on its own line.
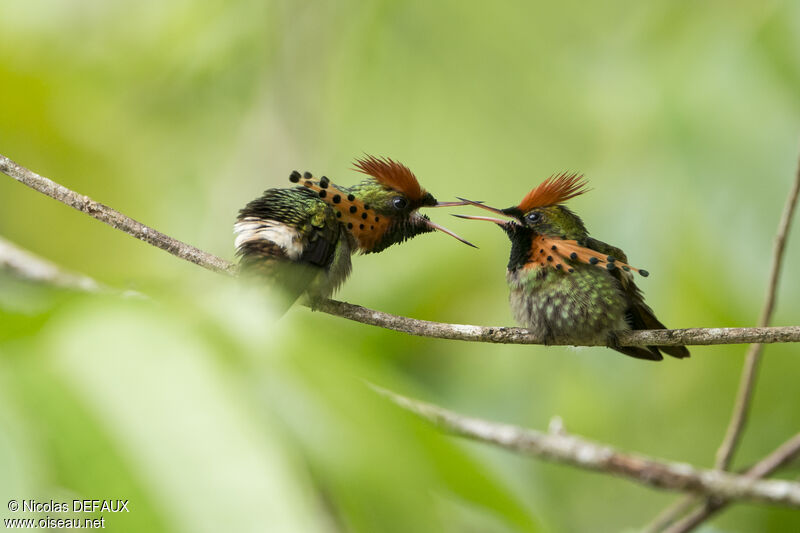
point(534, 217)
point(399, 202)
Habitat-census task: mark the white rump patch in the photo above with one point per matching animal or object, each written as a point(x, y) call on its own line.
point(256, 229)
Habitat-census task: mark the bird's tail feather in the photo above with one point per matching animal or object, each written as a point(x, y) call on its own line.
point(642, 317)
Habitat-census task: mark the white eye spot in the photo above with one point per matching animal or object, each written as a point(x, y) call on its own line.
point(534, 217)
point(399, 202)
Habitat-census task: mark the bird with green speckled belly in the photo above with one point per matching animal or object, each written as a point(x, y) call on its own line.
point(565, 285)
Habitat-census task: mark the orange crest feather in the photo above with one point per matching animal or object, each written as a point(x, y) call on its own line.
point(554, 190)
point(391, 174)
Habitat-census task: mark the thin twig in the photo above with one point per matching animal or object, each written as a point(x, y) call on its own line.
point(24, 264)
point(750, 370)
point(570, 449)
point(672, 513)
point(113, 218)
point(785, 454)
point(422, 328)
point(782, 456)
point(746, 384)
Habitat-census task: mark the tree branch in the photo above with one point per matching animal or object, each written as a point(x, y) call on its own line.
point(423, 328)
point(573, 450)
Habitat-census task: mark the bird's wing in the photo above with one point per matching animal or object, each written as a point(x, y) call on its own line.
point(287, 236)
point(638, 315)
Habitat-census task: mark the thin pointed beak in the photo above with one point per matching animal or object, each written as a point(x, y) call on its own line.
point(498, 221)
point(437, 227)
point(483, 206)
point(455, 204)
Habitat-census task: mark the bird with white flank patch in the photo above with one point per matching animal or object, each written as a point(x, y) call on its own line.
point(301, 238)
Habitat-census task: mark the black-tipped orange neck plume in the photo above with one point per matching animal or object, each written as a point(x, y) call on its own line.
point(382, 210)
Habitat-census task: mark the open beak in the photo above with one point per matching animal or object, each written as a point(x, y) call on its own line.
point(437, 227)
point(498, 221)
point(455, 204)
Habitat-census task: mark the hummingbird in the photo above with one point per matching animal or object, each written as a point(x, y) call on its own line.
point(301, 238)
point(565, 285)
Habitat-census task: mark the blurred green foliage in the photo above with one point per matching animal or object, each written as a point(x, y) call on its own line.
point(209, 415)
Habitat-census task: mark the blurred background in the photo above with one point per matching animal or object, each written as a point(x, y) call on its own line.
point(208, 414)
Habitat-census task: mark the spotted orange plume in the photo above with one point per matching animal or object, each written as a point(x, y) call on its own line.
point(391, 174)
point(561, 254)
point(554, 190)
point(362, 222)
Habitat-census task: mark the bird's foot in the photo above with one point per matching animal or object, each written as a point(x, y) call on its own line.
point(612, 340)
point(315, 302)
